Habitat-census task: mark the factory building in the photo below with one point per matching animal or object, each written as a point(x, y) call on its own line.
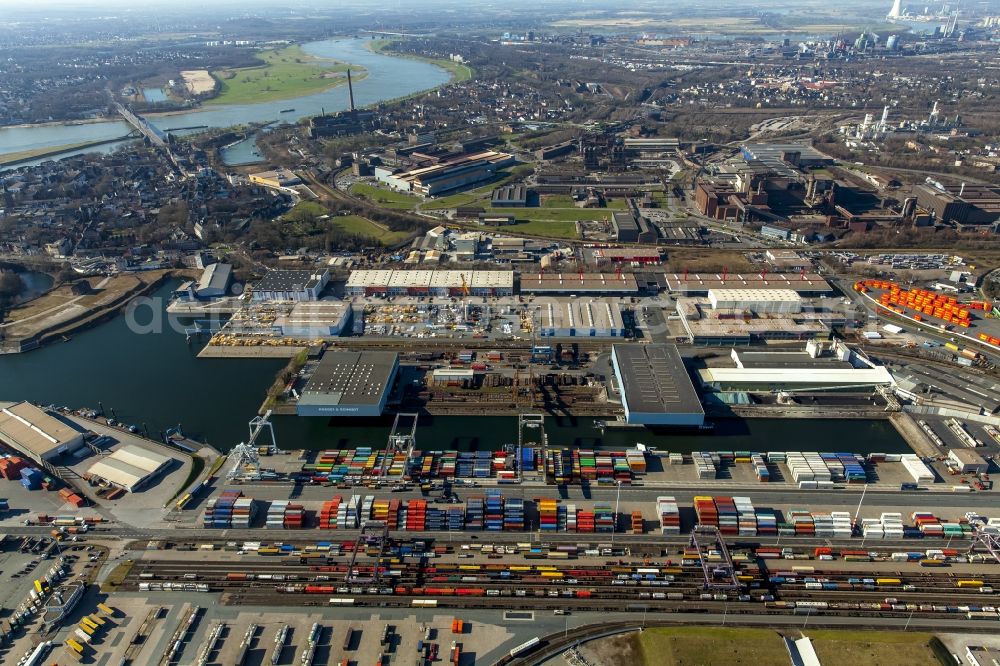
point(130, 467)
point(276, 178)
point(347, 383)
point(805, 284)
point(620, 255)
point(36, 433)
point(213, 283)
point(704, 326)
point(655, 386)
point(429, 283)
point(631, 228)
point(967, 461)
point(510, 196)
point(593, 318)
point(314, 319)
point(291, 285)
point(446, 175)
point(756, 300)
point(772, 379)
point(554, 284)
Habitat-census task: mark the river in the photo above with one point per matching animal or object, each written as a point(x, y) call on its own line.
point(387, 78)
point(156, 379)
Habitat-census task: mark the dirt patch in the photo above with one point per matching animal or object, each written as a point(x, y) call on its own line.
point(620, 650)
point(198, 81)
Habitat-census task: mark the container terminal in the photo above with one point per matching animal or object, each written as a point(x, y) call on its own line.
point(424, 534)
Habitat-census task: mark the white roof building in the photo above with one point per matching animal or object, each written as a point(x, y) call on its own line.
point(755, 300)
point(36, 433)
point(130, 467)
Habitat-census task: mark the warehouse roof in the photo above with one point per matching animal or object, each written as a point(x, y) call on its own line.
point(756, 295)
point(289, 280)
point(349, 377)
point(313, 313)
point(798, 376)
point(599, 314)
point(33, 430)
point(129, 466)
point(369, 277)
point(967, 457)
point(654, 380)
point(216, 276)
point(567, 282)
point(806, 282)
point(418, 278)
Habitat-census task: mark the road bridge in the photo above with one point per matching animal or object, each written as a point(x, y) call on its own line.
point(156, 136)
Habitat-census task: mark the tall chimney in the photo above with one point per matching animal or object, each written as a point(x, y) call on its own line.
point(350, 90)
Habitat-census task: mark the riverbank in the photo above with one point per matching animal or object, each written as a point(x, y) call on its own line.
point(387, 78)
point(283, 75)
point(459, 71)
point(14, 159)
point(70, 308)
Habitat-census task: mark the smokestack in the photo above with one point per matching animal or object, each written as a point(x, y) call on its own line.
point(350, 89)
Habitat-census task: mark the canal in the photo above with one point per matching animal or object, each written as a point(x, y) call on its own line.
point(156, 379)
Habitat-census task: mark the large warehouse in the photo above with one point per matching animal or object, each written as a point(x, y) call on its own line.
point(459, 171)
point(578, 317)
point(579, 283)
point(36, 433)
point(348, 383)
point(130, 467)
point(291, 285)
point(805, 284)
point(755, 300)
point(429, 283)
point(313, 319)
point(655, 386)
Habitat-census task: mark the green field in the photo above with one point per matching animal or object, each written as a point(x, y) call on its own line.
point(362, 226)
point(708, 646)
point(552, 228)
point(554, 214)
point(874, 648)
point(385, 197)
point(286, 73)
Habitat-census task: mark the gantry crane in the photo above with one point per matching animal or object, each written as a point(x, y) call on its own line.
point(246, 458)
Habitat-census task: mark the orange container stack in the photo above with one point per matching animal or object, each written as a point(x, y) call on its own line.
point(920, 303)
point(328, 514)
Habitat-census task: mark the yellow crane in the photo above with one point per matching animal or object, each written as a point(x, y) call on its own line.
point(465, 285)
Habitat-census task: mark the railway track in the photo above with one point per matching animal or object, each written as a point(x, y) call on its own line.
point(659, 587)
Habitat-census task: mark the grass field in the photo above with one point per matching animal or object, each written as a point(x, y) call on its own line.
point(708, 646)
point(872, 648)
point(285, 73)
point(553, 228)
point(385, 197)
point(362, 226)
point(554, 214)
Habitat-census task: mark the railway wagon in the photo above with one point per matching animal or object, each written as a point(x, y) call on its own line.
point(970, 583)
